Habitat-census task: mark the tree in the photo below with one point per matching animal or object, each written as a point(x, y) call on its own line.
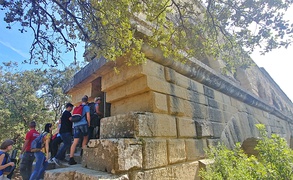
point(52, 89)
point(19, 101)
point(31, 95)
point(274, 160)
point(222, 29)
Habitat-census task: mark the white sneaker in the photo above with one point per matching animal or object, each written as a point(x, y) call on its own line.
point(56, 161)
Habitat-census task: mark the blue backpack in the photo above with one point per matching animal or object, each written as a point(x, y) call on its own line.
point(7, 159)
point(37, 143)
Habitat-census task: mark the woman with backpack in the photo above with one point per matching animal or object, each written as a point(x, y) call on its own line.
point(5, 147)
point(42, 154)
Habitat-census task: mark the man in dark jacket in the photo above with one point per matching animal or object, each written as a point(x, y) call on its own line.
point(65, 133)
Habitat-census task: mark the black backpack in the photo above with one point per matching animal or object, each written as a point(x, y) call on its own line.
point(95, 118)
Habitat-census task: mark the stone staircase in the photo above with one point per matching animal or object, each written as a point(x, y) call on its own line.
point(134, 146)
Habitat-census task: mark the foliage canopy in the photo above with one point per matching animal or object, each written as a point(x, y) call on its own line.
point(31, 95)
point(222, 29)
point(274, 160)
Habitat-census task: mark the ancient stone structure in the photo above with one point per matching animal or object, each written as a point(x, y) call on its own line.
point(165, 113)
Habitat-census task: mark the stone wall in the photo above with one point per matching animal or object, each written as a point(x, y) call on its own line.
point(164, 114)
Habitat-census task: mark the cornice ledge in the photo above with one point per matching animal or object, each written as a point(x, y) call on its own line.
point(199, 72)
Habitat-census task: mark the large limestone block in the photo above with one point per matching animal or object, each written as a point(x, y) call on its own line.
point(127, 74)
point(204, 163)
point(77, 94)
point(112, 80)
point(184, 171)
point(195, 149)
point(162, 86)
point(154, 153)
point(215, 115)
point(149, 101)
point(138, 125)
point(176, 106)
point(159, 104)
point(204, 128)
point(195, 110)
point(174, 77)
point(176, 150)
point(132, 88)
point(113, 155)
point(186, 128)
point(141, 102)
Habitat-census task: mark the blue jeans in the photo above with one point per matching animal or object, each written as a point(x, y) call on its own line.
point(26, 165)
point(66, 137)
point(40, 167)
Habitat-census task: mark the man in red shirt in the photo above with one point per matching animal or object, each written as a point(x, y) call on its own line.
point(27, 157)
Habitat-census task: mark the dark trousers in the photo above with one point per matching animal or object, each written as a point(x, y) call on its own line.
point(94, 132)
point(91, 132)
point(26, 165)
point(66, 138)
point(55, 145)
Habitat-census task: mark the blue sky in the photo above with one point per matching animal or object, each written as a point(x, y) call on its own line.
point(14, 46)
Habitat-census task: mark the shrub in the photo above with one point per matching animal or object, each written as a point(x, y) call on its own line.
point(274, 160)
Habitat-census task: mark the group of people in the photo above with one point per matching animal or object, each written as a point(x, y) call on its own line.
point(80, 130)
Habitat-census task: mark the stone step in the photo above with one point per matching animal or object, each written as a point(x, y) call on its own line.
point(77, 172)
point(113, 155)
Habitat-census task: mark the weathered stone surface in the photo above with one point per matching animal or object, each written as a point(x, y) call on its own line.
point(209, 92)
point(159, 104)
point(119, 126)
point(195, 110)
point(213, 142)
point(203, 163)
point(195, 149)
point(204, 128)
point(186, 128)
point(112, 80)
point(138, 125)
point(212, 103)
point(137, 86)
point(184, 171)
point(175, 105)
point(217, 129)
point(134, 103)
point(182, 81)
point(154, 153)
point(215, 115)
point(156, 125)
point(78, 94)
point(156, 102)
point(156, 84)
point(113, 155)
point(176, 150)
point(77, 172)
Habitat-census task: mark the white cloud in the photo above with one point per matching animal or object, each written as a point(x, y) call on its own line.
point(19, 52)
